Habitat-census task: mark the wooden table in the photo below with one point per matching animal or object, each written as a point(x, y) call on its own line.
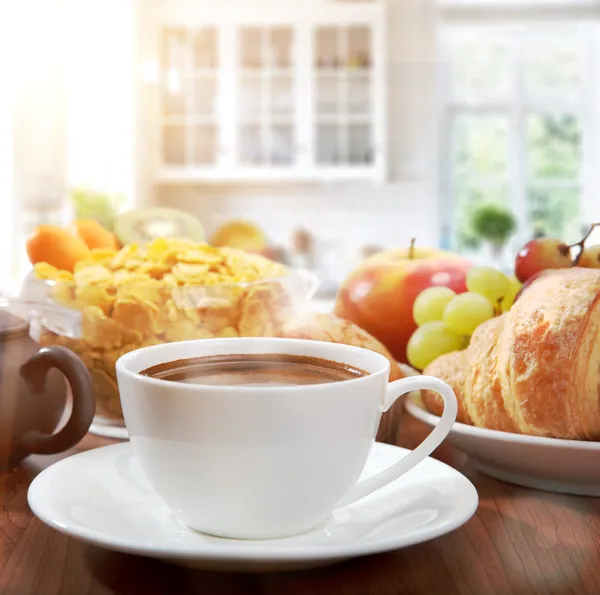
point(520, 542)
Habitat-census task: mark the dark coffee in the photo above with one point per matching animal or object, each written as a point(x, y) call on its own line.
point(254, 370)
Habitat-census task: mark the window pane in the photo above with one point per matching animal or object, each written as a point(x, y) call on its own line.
point(481, 145)
point(359, 95)
point(281, 47)
point(556, 212)
point(281, 141)
point(205, 95)
point(176, 99)
point(251, 98)
point(327, 46)
point(481, 69)
point(553, 66)
point(252, 150)
point(282, 95)
point(554, 146)
point(174, 49)
point(251, 47)
point(205, 145)
point(360, 150)
point(328, 95)
point(173, 145)
point(328, 144)
point(359, 47)
point(206, 48)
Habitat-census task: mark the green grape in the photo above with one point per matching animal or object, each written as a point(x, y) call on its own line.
point(430, 341)
point(509, 298)
point(466, 312)
point(488, 282)
point(431, 303)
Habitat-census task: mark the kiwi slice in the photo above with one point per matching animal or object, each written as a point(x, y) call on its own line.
point(142, 226)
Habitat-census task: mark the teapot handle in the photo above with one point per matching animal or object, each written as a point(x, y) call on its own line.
point(34, 372)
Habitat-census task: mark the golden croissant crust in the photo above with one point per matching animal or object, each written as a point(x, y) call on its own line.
point(536, 369)
point(451, 368)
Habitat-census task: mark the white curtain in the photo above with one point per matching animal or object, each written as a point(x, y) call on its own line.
point(66, 112)
point(101, 90)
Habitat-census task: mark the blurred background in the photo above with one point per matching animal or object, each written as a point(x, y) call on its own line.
point(339, 128)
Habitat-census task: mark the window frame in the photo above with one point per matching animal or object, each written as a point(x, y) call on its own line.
point(517, 107)
point(479, 11)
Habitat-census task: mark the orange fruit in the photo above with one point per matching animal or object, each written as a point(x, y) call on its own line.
point(94, 235)
point(56, 246)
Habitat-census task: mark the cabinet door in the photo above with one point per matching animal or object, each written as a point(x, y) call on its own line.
point(265, 72)
point(190, 87)
point(344, 104)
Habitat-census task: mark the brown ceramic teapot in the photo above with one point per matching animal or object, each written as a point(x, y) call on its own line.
point(33, 395)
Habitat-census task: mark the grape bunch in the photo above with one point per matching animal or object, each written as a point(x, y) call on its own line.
point(447, 320)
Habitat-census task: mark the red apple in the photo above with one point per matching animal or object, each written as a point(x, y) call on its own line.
point(541, 254)
point(378, 296)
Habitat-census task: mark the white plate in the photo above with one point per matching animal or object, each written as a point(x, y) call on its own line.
point(549, 464)
point(102, 497)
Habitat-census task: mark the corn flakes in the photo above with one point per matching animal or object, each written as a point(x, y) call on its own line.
point(145, 290)
point(171, 290)
point(184, 330)
point(46, 271)
point(255, 320)
point(216, 318)
point(201, 256)
point(93, 295)
point(64, 293)
point(107, 391)
point(126, 254)
point(99, 330)
point(96, 274)
point(141, 315)
point(101, 255)
point(190, 273)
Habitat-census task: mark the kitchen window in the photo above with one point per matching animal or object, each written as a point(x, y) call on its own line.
point(518, 126)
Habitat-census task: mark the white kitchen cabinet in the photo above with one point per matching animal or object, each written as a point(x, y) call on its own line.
point(238, 96)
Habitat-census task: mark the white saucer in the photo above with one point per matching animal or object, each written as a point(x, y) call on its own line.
point(102, 497)
point(549, 464)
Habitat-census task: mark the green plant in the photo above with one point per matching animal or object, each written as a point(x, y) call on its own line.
point(494, 223)
point(91, 204)
point(467, 240)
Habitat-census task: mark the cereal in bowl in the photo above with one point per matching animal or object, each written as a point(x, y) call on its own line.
point(172, 290)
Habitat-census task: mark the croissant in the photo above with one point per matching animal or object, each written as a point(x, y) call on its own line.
point(482, 391)
point(451, 368)
point(536, 369)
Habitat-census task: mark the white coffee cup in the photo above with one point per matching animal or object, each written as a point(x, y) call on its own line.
point(264, 462)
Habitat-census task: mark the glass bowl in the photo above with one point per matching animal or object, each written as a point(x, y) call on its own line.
point(101, 325)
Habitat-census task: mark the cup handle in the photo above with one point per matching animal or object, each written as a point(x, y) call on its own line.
point(34, 372)
point(394, 391)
